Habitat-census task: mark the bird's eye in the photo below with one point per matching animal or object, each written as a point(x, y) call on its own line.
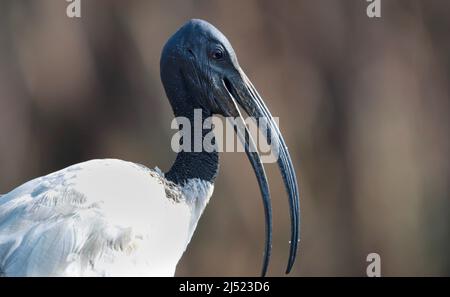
point(217, 54)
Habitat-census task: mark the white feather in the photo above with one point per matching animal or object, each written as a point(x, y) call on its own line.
point(98, 218)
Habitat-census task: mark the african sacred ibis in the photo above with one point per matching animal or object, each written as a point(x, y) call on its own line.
point(116, 218)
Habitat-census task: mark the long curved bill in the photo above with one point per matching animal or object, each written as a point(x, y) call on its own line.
point(244, 94)
point(231, 110)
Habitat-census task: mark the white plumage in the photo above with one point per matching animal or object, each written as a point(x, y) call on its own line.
point(102, 217)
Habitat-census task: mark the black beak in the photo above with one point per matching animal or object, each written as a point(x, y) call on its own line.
point(242, 92)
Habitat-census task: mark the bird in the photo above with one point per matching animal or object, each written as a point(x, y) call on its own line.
point(109, 217)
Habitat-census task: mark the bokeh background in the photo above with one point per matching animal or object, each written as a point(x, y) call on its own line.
point(363, 105)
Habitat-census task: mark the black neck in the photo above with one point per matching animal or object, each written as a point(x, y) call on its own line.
point(204, 166)
point(188, 165)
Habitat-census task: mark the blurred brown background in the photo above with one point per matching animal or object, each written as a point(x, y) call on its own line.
point(363, 105)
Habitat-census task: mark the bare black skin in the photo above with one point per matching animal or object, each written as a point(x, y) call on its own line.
point(199, 69)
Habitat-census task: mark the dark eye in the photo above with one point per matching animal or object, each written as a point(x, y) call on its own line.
point(217, 54)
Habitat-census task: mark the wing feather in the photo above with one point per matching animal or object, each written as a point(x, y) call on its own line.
point(56, 233)
point(101, 217)
point(47, 228)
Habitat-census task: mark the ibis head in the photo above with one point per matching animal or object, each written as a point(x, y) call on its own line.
point(199, 69)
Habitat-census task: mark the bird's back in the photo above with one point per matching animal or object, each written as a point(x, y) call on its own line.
point(102, 217)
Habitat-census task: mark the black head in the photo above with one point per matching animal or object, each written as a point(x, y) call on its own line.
point(199, 70)
point(202, 57)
